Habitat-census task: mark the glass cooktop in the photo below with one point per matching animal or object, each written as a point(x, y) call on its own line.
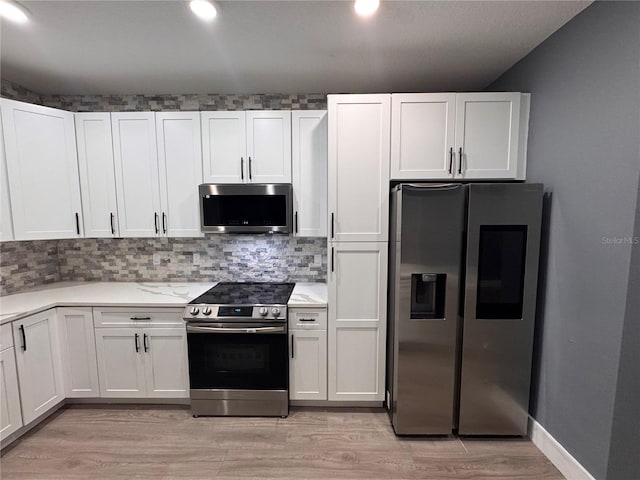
point(246, 293)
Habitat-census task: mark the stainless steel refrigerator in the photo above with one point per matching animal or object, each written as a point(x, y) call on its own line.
point(463, 268)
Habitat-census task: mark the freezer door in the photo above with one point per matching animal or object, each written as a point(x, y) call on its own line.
point(426, 250)
point(503, 238)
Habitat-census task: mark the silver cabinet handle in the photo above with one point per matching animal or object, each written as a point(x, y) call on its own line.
point(194, 329)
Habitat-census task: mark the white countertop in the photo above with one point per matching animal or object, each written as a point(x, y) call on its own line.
point(309, 295)
point(134, 294)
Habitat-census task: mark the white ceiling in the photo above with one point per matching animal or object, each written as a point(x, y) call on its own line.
point(124, 47)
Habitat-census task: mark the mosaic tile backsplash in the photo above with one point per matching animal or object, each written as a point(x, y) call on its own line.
point(28, 264)
point(212, 258)
point(190, 102)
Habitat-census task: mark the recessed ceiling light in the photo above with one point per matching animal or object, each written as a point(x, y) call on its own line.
point(204, 9)
point(365, 8)
point(13, 11)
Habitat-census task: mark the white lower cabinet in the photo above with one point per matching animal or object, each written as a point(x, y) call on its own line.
point(10, 413)
point(39, 365)
point(78, 352)
point(142, 362)
point(308, 354)
point(357, 320)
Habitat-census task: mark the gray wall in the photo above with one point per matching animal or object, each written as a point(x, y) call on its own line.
point(624, 459)
point(584, 146)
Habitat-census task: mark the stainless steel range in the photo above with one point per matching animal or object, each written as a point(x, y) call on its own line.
point(238, 350)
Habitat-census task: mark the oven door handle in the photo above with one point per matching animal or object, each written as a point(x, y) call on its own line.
point(194, 329)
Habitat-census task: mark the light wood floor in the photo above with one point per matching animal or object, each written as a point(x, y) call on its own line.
point(154, 442)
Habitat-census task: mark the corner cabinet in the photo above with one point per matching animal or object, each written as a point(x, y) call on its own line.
point(246, 147)
point(309, 165)
point(357, 286)
point(39, 365)
point(10, 412)
point(6, 224)
point(459, 136)
point(359, 135)
point(78, 352)
point(141, 353)
point(42, 168)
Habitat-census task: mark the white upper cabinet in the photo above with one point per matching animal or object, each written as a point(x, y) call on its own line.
point(180, 160)
point(137, 179)
point(309, 159)
point(488, 134)
point(422, 135)
point(6, 225)
point(224, 147)
point(246, 146)
point(40, 148)
point(359, 137)
point(269, 146)
point(97, 176)
point(461, 136)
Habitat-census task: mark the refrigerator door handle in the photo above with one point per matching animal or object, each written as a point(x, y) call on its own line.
point(430, 186)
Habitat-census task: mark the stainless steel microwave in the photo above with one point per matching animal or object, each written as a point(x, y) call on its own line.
point(246, 208)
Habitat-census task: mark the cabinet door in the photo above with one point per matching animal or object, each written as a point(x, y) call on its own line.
point(97, 176)
point(308, 365)
point(224, 147)
point(165, 362)
point(487, 134)
point(136, 162)
point(39, 366)
point(422, 135)
point(269, 146)
point(359, 135)
point(357, 286)
point(180, 157)
point(309, 163)
point(120, 362)
point(78, 352)
point(10, 414)
point(42, 165)
point(6, 224)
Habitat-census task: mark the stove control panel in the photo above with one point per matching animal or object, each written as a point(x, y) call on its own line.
point(233, 313)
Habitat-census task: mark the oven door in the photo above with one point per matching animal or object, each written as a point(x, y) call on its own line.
point(238, 356)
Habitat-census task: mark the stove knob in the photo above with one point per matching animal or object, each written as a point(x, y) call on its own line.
point(275, 311)
point(263, 311)
point(206, 311)
point(194, 311)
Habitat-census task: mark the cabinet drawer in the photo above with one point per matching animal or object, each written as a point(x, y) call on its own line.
point(308, 318)
point(137, 317)
point(6, 336)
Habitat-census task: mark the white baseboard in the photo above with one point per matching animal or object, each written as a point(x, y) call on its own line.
point(556, 453)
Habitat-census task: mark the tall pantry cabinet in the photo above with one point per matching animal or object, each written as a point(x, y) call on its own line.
point(358, 151)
